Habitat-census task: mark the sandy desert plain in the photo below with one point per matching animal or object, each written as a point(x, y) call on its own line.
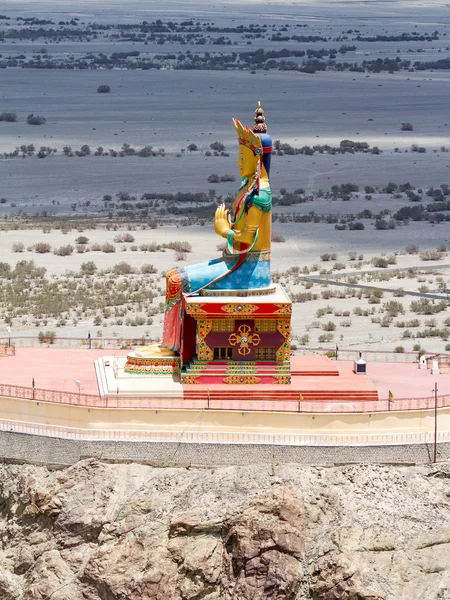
point(373, 213)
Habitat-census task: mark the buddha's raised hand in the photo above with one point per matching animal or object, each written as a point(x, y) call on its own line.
point(221, 224)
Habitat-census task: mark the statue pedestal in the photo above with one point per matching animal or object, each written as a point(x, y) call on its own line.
point(237, 339)
point(146, 363)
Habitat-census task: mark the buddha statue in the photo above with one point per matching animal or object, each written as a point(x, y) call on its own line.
point(245, 264)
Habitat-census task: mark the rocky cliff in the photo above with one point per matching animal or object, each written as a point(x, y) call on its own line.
point(129, 531)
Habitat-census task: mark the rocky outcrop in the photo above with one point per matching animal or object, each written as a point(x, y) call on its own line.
point(128, 531)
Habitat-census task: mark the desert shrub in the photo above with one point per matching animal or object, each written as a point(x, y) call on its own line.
point(393, 308)
point(124, 237)
point(88, 268)
point(148, 269)
point(42, 248)
point(356, 226)
point(46, 338)
point(217, 146)
point(108, 248)
point(379, 262)
point(447, 347)
point(278, 237)
point(18, 247)
point(36, 120)
point(63, 250)
point(330, 326)
point(406, 127)
point(227, 177)
point(338, 266)
point(398, 292)
point(213, 178)
point(180, 256)
point(424, 306)
point(327, 256)
point(122, 268)
point(103, 89)
point(399, 349)
point(430, 255)
point(82, 239)
point(192, 147)
point(325, 337)
point(179, 246)
point(9, 117)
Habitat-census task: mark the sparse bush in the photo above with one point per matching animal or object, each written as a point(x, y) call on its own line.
point(326, 337)
point(214, 178)
point(18, 247)
point(148, 269)
point(63, 250)
point(406, 127)
point(217, 146)
point(356, 226)
point(103, 89)
point(88, 268)
point(430, 255)
point(108, 248)
point(179, 246)
point(379, 262)
point(82, 239)
point(123, 268)
point(227, 177)
point(330, 326)
point(399, 349)
point(278, 237)
point(393, 308)
point(46, 338)
point(36, 120)
point(9, 117)
point(42, 248)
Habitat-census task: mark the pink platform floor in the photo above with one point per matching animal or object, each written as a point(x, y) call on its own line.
point(58, 369)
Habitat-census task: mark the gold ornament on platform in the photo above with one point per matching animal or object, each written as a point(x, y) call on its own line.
point(244, 338)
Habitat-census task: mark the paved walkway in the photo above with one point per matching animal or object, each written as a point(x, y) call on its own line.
point(58, 369)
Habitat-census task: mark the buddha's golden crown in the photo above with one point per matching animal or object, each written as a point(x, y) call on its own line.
point(247, 137)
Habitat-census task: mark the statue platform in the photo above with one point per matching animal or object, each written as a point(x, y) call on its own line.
point(237, 337)
point(313, 378)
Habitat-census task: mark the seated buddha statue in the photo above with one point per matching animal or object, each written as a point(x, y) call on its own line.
point(246, 227)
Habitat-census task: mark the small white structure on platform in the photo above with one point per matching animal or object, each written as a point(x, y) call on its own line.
point(435, 368)
point(360, 366)
point(422, 362)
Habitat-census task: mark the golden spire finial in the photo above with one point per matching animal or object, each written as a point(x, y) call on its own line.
point(260, 120)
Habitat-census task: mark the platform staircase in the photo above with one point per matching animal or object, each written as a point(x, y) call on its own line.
point(229, 372)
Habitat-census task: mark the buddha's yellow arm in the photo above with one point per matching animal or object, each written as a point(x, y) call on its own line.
point(250, 225)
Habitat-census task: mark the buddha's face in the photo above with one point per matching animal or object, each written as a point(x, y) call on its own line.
point(247, 161)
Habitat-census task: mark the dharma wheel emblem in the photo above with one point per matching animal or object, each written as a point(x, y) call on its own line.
point(244, 338)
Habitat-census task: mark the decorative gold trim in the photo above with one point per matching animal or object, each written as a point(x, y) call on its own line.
point(241, 379)
point(284, 308)
point(282, 379)
point(204, 326)
point(284, 327)
point(189, 379)
point(239, 309)
point(195, 309)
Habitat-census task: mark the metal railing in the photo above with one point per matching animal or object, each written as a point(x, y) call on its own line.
point(212, 437)
point(75, 343)
point(210, 403)
point(127, 343)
